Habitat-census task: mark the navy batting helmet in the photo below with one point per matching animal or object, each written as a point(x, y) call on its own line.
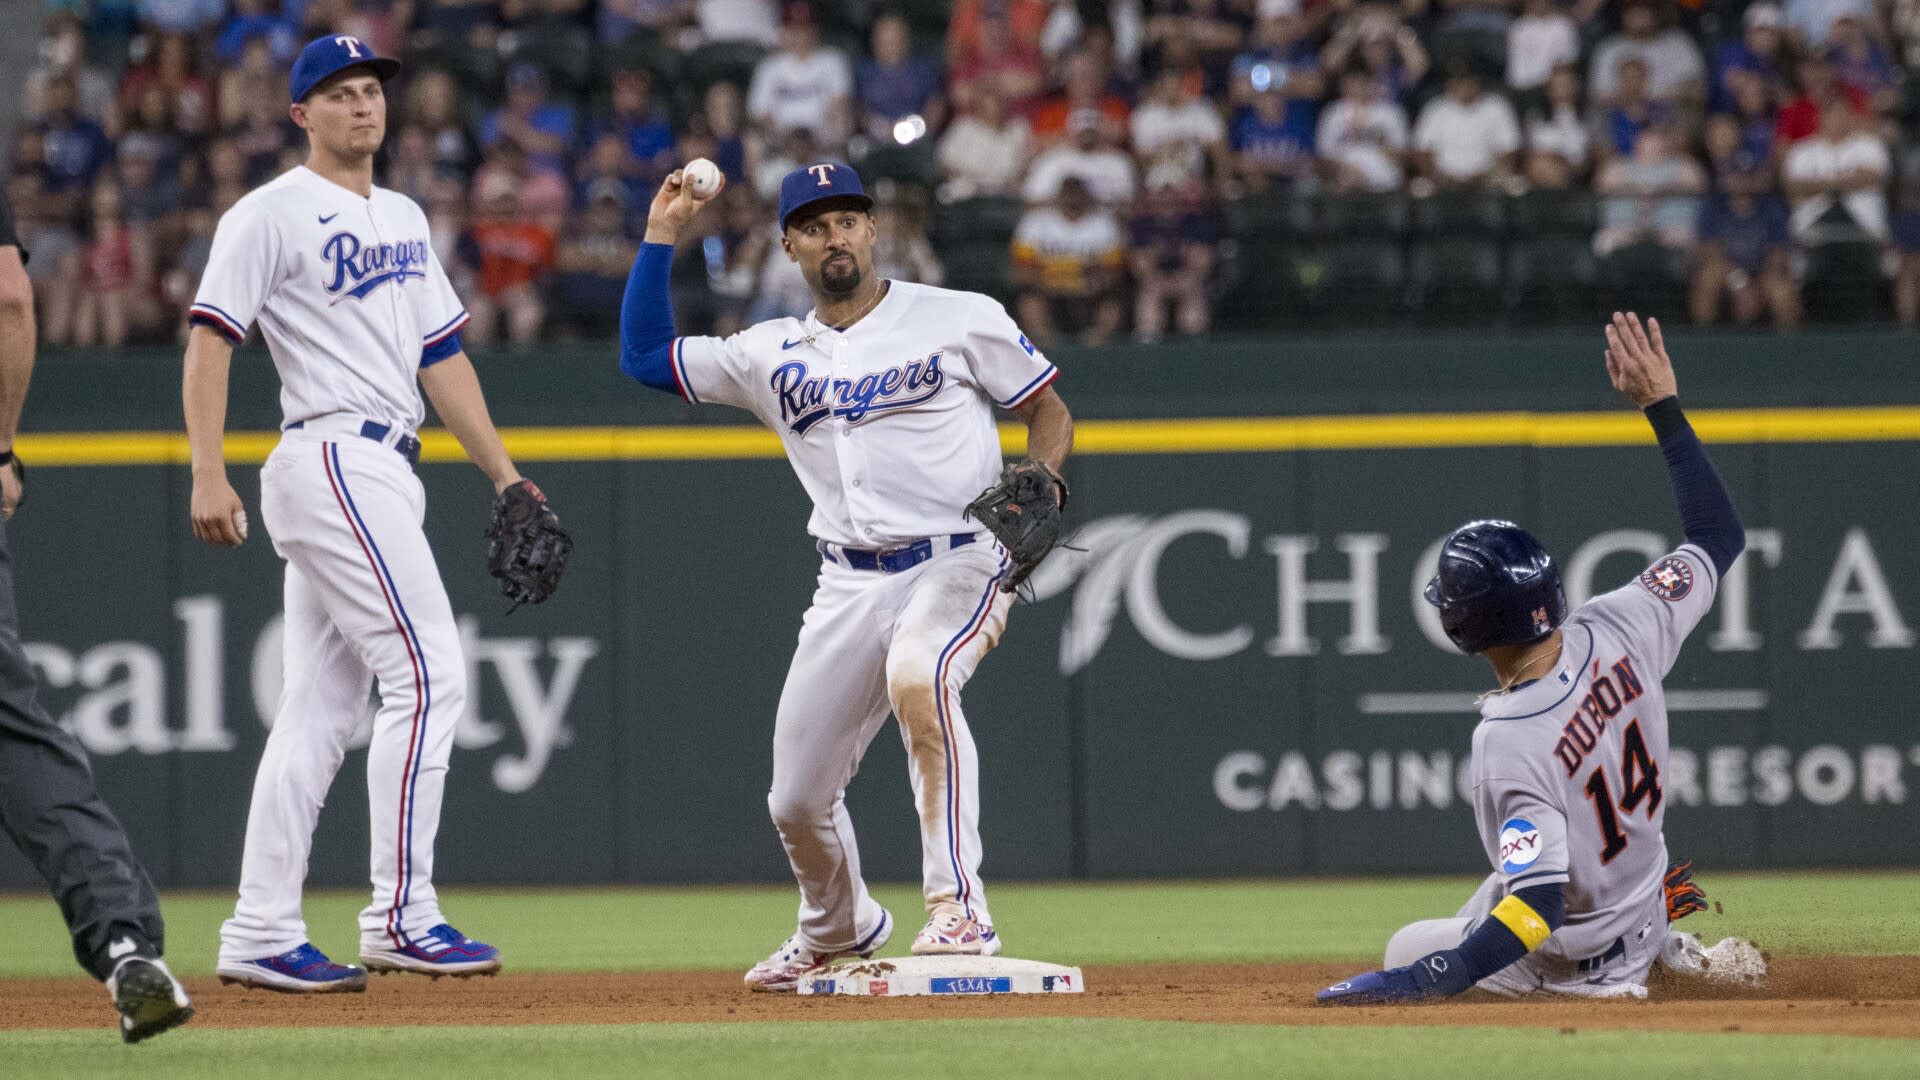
point(1496, 586)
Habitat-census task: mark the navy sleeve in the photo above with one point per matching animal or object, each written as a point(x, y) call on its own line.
point(1706, 510)
point(646, 320)
point(1491, 946)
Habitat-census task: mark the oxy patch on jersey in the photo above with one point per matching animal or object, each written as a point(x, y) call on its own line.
point(806, 398)
point(1519, 845)
point(1669, 579)
point(356, 269)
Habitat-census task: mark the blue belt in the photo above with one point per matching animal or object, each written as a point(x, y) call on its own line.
point(1614, 952)
point(406, 445)
point(893, 560)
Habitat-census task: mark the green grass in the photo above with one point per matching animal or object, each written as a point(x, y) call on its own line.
point(617, 929)
point(1006, 1048)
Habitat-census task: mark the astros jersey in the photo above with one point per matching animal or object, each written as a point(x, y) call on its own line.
point(348, 293)
point(890, 424)
point(1569, 771)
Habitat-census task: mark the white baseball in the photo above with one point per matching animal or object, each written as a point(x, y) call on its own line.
point(701, 176)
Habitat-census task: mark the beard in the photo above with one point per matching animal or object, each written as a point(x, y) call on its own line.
point(840, 276)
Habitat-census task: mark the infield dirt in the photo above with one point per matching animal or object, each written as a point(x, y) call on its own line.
point(1805, 995)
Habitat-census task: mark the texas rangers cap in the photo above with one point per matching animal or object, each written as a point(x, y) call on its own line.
point(819, 182)
point(328, 56)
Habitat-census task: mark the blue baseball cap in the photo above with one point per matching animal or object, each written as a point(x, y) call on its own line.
point(326, 57)
point(819, 182)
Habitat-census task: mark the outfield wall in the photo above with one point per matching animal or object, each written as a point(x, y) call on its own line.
point(1236, 678)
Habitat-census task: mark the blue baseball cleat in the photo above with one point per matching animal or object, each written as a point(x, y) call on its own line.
point(305, 970)
point(440, 951)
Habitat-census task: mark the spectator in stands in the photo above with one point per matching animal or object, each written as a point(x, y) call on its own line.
point(255, 20)
point(1837, 178)
point(411, 170)
point(63, 51)
point(894, 84)
point(432, 104)
point(984, 152)
point(152, 132)
point(1362, 139)
point(620, 19)
point(263, 136)
point(1542, 39)
point(1812, 21)
point(1649, 196)
point(1820, 93)
point(254, 75)
point(1761, 52)
point(902, 251)
point(1631, 111)
point(1861, 65)
point(512, 253)
point(968, 36)
point(471, 23)
point(590, 265)
point(1085, 87)
point(1107, 173)
point(1675, 70)
point(754, 22)
point(180, 16)
point(1744, 258)
point(1214, 31)
point(1172, 256)
point(1178, 135)
point(1906, 251)
point(543, 129)
point(801, 85)
point(1273, 143)
point(1466, 137)
point(715, 134)
point(1067, 261)
point(115, 274)
point(1282, 57)
point(642, 127)
point(543, 193)
point(1116, 40)
point(1377, 38)
point(795, 148)
point(1017, 71)
point(74, 147)
point(1557, 135)
point(172, 68)
point(1904, 18)
point(149, 184)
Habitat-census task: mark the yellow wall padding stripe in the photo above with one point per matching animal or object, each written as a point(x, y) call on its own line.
point(1229, 435)
point(1526, 924)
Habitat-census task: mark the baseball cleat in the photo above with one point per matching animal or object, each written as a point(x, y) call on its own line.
point(440, 951)
point(781, 972)
point(149, 998)
point(949, 932)
point(305, 970)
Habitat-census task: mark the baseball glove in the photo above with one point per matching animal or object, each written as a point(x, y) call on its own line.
point(1023, 511)
point(1683, 896)
point(527, 549)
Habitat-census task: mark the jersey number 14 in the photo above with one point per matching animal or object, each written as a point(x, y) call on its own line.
point(1639, 779)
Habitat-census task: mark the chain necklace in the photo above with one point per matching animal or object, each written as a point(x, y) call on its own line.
point(1511, 683)
point(878, 293)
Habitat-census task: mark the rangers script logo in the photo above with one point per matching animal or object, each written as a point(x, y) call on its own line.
point(1669, 579)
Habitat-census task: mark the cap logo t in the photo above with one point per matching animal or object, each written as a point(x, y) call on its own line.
point(351, 44)
point(823, 173)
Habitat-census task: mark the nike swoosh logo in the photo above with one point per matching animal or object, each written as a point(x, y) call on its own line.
point(329, 217)
point(792, 344)
point(123, 947)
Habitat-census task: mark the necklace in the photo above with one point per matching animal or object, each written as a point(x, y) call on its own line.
point(841, 327)
point(1511, 683)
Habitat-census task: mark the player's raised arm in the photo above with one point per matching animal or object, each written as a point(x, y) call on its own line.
point(218, 517)
point(646, 311)
point(1637, 363)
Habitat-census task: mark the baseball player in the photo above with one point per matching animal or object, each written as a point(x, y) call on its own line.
point(358, 315)
point(1570, 752)
point(884, 398)
point(49, 804)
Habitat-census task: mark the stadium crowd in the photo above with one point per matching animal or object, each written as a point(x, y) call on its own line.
point(1104, 165)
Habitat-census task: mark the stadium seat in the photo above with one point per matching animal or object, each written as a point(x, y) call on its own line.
point(723, 61)
point(1459, 213)
point(563, 50)
point(479, 72)
point(1361, 215)
point(1552, 213)
point(1357, 279)
point(914, 164)
point(1455, 279)
point(1643, 276)
point(1487, 49)
point(1551, 279)
point(980, 266)
point(1260, 282)
point(1843, 280)
point(644, 49)
point(1271, 213)
point(989, 217)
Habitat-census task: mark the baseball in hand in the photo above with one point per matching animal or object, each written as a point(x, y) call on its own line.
point(702, 177)
point(240, 523)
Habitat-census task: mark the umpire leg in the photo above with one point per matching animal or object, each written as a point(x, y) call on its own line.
point(54, 813)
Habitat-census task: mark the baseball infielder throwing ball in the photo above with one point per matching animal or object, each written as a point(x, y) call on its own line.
point(358, 315)
point(1571, 748)
point(884, 397)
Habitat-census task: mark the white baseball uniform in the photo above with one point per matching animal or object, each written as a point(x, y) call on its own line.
point(353, 303)
point(890, 427)
point(1567, 788)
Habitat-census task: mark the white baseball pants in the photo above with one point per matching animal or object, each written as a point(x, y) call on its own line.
point(364, 603)
point(874, 643)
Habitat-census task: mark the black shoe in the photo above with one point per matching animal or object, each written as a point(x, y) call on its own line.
point(149, 998)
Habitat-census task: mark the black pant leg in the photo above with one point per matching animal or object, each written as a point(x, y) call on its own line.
point(52, 810)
